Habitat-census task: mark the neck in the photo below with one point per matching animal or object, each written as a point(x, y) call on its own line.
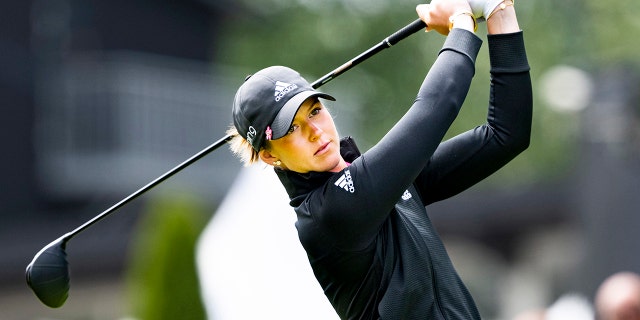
point(341, 165)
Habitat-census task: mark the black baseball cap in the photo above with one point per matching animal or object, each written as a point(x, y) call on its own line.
point(267, 101)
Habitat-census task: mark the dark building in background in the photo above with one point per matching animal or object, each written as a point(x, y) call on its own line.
point(609, 176)
point(99, 98)
point(16, 94)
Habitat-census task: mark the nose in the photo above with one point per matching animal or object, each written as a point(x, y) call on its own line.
point(314, 130)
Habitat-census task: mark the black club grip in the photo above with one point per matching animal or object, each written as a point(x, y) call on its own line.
point(408, 30)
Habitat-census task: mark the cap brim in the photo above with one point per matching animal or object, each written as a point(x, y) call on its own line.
point(284, 118)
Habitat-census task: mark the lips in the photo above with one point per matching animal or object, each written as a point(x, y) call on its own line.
point(322, 149)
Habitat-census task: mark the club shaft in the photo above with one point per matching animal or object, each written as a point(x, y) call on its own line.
point(389, 41)
point(386, 43)
point(150, 185)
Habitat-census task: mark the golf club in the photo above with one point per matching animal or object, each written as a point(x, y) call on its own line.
point(48, 272)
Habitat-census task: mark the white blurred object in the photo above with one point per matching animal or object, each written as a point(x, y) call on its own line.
point(566, 88)
point(570, 306)
point(250, 261)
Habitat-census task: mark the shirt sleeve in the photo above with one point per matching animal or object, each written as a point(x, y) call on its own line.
point(378, 178)
point(466, 159)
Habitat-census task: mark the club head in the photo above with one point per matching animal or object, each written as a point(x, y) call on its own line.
point(48, 274)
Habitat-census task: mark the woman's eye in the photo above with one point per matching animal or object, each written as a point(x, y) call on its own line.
point(292, 129)
point(315, 111)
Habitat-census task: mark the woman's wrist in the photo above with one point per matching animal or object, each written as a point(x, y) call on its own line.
point(501, 6)
point(463, 20)
point(503, 19)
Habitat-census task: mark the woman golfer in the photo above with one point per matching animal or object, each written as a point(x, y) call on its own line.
point(361, 217)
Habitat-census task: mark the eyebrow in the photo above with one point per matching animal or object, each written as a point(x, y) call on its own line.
point(306, 107)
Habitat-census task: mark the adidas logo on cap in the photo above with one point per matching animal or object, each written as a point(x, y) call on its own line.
point(282, 88)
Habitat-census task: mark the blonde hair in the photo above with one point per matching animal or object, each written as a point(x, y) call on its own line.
point(241, 148)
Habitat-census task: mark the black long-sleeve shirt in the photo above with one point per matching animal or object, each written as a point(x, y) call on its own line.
point(365, 229)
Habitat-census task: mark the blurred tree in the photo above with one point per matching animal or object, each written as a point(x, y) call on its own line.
point(610, 32)
point(162, 277)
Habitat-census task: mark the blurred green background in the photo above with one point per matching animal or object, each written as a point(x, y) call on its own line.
point(100, 98)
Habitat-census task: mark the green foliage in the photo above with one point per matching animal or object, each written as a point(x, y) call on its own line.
point(613, 29)
point(162, 278)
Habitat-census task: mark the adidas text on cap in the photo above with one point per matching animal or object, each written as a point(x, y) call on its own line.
point(266, 103)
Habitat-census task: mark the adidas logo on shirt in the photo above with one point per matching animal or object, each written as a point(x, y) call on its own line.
point(282, 88)
point(345, 182)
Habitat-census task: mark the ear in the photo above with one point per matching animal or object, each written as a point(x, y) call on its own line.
point(267, 157)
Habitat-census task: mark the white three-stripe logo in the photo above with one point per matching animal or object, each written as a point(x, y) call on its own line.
point(345, 182)
point(282, 88)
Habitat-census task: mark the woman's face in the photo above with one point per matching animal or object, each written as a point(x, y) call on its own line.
point(312, 143)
